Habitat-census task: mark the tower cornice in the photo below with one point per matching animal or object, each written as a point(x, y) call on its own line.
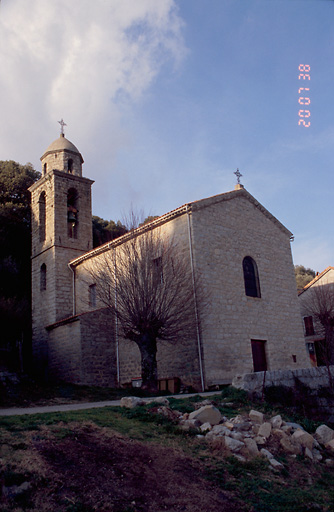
point(61, 174)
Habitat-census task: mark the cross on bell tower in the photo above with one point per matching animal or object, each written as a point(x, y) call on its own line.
point(62, 124)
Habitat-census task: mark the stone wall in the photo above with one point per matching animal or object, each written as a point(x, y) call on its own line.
point(64, 352)
point(313, 378)
point(225, 230)
point(82, 350)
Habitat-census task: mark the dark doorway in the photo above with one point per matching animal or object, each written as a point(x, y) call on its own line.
point(259, 355)
point(320, 352)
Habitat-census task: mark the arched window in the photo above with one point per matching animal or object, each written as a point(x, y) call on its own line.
point(251, 277)
point(43, 277)
point(72, 213)
point(45, 166)
point(92, 295)
point(70, 165)
point(42, 219)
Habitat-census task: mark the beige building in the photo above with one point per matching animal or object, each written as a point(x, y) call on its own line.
point(242, 252)
point(315, 299)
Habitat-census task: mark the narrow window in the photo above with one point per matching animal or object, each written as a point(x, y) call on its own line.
point(72, 213)
point(158, 270)
point(251, 277)
point(92, 295)
point(42, 218)
point(70, 165)
point(43, 277)
point(259, 355)
point(45, 166)
point(308, 324)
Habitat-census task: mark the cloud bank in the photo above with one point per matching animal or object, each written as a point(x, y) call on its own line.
point(79, 59)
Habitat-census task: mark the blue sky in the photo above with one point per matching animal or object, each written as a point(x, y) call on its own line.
point(165, 99)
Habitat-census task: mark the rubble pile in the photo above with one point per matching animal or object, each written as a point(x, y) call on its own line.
point(249, 436)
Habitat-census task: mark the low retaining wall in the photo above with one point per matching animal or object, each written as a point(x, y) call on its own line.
point(313, 378)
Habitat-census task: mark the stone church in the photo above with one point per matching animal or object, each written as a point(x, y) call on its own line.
point(242, 251)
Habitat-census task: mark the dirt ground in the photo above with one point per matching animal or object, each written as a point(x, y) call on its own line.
point(93, 469)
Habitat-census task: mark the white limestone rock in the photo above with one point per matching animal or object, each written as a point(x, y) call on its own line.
point(131, 401)
point(260, 440)
point(217, 431)
point(229, 425)
point(324, 434)
point(278, 432)
point(293, 426)
point(189, 424)
point(303, 438)
point(206, 414)
point(233, 444)
point(309, 453)
point(237, 435)
point(275, 464)
point(162, 400)
point(317, 455)
point(205, 427)
point(276, 421)
point(251, 447)
point(290, 445)
point(220, 430)
point(240, 457)
point(265, 430)
point(256, 417)
point(266, 453)
point(330, 445)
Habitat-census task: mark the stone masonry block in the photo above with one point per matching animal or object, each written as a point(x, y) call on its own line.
point(256, 417)
point(207, 414)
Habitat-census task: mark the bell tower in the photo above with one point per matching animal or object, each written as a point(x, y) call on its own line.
point(61, 231)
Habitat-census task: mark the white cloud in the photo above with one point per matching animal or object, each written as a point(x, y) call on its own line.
point(79, 60)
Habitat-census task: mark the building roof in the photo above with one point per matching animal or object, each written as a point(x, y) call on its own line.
point(315, 279)
point(239, 192)
point(61, 144)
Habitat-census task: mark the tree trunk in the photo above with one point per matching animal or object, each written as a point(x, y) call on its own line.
point(149, 372)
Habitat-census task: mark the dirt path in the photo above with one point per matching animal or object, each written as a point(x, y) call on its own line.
point(19, 411)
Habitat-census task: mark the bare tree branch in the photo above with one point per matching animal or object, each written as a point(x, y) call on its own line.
point(147, 283)
point(319, 303)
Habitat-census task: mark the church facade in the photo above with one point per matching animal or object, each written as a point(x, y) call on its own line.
point(242, 252)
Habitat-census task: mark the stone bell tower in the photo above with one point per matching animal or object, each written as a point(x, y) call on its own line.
point(61, 231)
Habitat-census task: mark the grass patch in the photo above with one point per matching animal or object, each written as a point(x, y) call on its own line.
point(264, 491)
point(28, 392)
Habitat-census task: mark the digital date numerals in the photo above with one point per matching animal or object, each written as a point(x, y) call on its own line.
point(304, 98)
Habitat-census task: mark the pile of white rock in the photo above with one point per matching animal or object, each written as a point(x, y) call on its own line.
point(249, 436)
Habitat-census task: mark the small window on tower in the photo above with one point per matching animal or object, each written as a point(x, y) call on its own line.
point(72, 213)
point(70, 165)
point(42, 217)
point(45, 166)
point(43, 277)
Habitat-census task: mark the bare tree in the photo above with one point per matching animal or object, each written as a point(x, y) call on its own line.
point(148, 284)
point(319, 304)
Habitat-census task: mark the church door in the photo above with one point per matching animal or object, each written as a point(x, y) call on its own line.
point(259, 355)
